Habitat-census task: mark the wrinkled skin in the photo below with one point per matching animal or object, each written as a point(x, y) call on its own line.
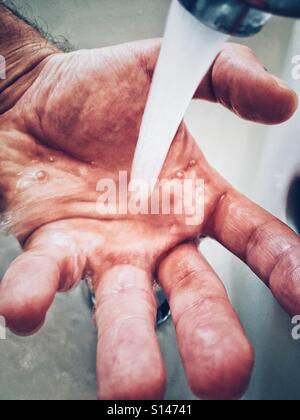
point(79, 122)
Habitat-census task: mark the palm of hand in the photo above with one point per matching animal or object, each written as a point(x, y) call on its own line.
point(73, 127)
point(72, 147)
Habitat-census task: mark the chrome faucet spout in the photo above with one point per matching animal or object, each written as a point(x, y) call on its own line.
point(240, 17)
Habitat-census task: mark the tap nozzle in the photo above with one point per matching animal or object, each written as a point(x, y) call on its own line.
point(240, 17)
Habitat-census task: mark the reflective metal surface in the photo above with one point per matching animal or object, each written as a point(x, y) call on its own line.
point(293, 203)
point(240, 17)
point(289, 8)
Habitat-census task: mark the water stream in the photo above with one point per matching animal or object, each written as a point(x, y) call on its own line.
point(189, 48)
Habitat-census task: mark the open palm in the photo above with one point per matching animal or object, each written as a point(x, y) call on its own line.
point(78, 123)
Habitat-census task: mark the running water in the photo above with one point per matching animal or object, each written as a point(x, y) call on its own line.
point(188, 50)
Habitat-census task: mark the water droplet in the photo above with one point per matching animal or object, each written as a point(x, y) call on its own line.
point(30, 178)
point(180, 175)
point(192, 163)
point(83, 171)
point(41, 176)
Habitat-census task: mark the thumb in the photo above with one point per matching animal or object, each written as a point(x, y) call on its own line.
point(242, 84)
point(238, 81)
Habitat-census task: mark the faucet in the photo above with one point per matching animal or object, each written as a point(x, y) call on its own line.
point(240, 17)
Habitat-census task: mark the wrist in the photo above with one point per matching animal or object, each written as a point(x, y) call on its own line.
point(23, 51)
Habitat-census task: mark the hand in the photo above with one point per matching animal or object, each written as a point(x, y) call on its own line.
point(78, 122)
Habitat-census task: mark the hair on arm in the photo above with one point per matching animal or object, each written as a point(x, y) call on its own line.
point(25, 13)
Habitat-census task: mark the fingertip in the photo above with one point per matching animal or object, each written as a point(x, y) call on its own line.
point(281, 102)
point(245, 87)
point(267, 101)
point(26, 328)
point(27, 293)
point(24, 315)
point(151, 387)
point(129, 363)
point(225, 375)
point(285, 281)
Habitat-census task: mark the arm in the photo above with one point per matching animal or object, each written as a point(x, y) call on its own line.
point(24, 47)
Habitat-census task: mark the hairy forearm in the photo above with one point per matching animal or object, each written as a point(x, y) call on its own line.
point(22, 49)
